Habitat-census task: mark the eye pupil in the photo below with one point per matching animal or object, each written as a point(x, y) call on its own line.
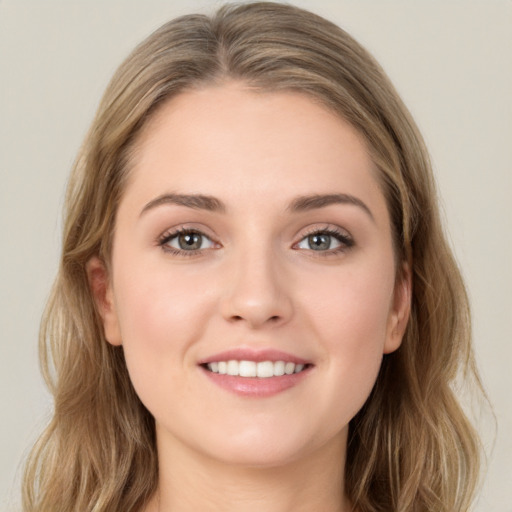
point(319, 242)
point(190, 241)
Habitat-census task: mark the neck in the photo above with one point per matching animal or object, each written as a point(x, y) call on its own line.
point(190, 481)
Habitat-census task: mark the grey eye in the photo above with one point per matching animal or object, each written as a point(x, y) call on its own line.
point(190, 241)
point(319, 242)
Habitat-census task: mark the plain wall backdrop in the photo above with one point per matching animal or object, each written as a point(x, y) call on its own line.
point(450, 60)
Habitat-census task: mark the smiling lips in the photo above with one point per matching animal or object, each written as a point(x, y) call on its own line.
point(262, 370)
point(255, 373)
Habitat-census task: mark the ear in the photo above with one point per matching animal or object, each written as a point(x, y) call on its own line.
point(400, 309)
point(101, 288)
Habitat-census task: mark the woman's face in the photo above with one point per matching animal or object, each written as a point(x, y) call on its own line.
point(252, 229)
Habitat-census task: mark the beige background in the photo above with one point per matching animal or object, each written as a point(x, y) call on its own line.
point(450, 60)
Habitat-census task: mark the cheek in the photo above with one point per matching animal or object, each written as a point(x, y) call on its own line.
point(350, 323)
point(161, 314)
point(157, 301)
point(351, 307)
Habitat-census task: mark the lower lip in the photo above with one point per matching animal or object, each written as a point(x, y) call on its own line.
point(256, 387)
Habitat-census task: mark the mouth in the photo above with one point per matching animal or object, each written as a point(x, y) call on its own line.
point(255, 373)
point(251, 369)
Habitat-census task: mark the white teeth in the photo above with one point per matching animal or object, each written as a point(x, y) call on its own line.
point(262, 370)
point(265, 369)
point(279, 368)
point(289, 368)
point(247, 369)
point(232, 368)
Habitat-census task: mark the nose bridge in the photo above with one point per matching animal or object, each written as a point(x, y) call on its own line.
point(257, 291)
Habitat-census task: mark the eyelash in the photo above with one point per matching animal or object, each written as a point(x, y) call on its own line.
point(168, 236)
point(344, 239)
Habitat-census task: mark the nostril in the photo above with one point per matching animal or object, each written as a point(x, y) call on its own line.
point(239, 318)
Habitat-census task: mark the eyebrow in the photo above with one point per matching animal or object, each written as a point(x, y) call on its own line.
point(299, 204)
point(195, 201)
point(313, 202)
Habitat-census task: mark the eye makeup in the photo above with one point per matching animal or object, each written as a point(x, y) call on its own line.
point(186, 242)
point(325, 242)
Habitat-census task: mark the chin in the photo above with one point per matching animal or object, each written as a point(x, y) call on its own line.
point(255, 457)
point(266, 450)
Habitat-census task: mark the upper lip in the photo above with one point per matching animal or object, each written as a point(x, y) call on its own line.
point(256, 355)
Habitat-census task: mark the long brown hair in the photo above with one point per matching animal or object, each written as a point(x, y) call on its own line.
point(411, 447)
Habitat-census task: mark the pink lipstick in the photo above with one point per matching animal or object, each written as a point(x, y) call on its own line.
point(257, 373)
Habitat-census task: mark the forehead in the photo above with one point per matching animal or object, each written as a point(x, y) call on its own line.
point(233, 142)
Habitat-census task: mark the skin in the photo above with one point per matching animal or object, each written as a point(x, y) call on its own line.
point(257, 283)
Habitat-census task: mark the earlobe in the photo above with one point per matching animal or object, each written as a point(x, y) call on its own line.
point(101, 289)
point(400, 311)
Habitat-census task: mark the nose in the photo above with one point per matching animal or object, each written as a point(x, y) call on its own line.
point(257, 291)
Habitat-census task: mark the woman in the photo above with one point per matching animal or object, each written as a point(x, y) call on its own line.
point(256, 306)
